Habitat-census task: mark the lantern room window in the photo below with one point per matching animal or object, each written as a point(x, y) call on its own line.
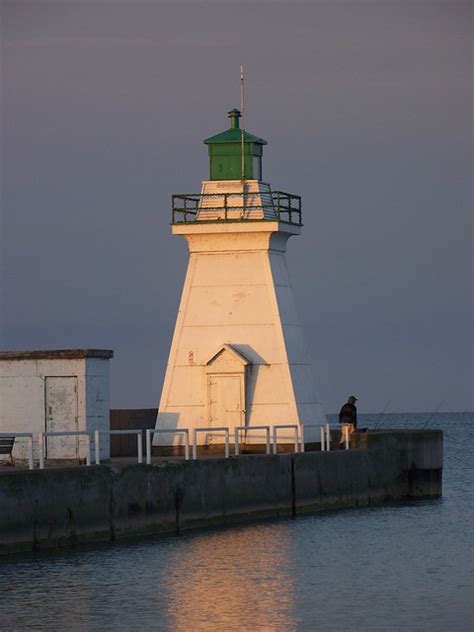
point(257, 167)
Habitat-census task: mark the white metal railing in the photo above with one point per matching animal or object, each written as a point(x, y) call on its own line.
point(345, 435)
point(139, 434)
point(211, 431)
point(281, 427)
point(299, 439)
point(150, 431)
point(78, 433)
point(302, 433)
point(239, 429)
point(325, 438)
point(29, 435)
point(328, 437)
point(325, 434)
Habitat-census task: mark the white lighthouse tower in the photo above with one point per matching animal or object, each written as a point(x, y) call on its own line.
point(238, 356)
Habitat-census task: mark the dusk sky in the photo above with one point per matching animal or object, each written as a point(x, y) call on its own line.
point(366, 107)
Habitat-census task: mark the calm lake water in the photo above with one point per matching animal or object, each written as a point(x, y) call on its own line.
point(403, 567)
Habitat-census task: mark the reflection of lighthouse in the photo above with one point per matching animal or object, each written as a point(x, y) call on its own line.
point(253, 586)
point(238, 356)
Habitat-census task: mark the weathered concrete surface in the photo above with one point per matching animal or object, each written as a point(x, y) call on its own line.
point(63, 390)
point(60, 507)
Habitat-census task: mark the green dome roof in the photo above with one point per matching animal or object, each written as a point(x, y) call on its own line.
point(234, 133)
point(234, 136)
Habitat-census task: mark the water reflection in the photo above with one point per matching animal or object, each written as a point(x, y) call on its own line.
point(214, 594)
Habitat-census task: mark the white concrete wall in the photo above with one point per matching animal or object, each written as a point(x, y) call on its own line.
point(237, 291)
point(97, 400)
point(22, 397)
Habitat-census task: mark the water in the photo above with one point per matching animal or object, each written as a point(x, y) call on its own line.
point(403, 567)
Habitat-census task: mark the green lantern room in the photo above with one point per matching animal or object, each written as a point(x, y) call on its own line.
point(225, 153)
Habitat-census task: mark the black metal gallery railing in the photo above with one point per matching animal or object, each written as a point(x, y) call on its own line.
point(271, 206)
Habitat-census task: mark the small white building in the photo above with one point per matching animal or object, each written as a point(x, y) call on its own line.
point(55, 391)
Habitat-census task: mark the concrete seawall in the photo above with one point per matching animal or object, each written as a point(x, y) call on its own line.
point(61, 507)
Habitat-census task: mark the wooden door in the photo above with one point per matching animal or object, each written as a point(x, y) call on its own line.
point(225, 402)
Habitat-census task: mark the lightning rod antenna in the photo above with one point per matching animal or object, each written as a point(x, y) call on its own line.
point(242, 170)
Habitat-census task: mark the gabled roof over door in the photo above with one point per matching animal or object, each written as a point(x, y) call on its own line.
point(234, 353)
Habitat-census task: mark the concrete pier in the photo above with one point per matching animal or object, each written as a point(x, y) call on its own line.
point(61, 507)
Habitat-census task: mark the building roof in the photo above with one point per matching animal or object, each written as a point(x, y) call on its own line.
point(234, 136)
point(56, 354)
point(234, 133)
point(233, 351)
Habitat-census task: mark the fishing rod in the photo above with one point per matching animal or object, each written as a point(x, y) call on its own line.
point(433, 413)
point(382, 414)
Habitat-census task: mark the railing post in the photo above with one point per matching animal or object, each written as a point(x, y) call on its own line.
point(225, 206)
point(140, 446)
point(226, 448)
point(97, 447)
point(194, 444)
point(88, 449)
point(31, 463)
point(296, 440)
point(267, 440)
point(302, 438)
point(148, 446)
point(186, 445)
point(41, 449)
point(328, 438)
point(323, 447)
point(236, 442)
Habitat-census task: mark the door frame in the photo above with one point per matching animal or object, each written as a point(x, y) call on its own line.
point(228, 361)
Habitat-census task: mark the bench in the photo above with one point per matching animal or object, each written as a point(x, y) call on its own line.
point(6, 446)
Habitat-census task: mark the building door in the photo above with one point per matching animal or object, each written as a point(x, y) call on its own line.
point(225, 402)
point(61, 416)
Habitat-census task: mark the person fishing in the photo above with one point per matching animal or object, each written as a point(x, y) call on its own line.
point(348, 418)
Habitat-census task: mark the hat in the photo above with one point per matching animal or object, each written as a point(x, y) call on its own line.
point(353, 398)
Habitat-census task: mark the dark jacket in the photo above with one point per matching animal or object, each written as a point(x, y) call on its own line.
point(348, 414)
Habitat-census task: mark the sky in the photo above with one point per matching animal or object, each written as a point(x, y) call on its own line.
point(366, 107)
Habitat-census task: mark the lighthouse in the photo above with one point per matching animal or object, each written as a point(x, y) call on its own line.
point(238, 356)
